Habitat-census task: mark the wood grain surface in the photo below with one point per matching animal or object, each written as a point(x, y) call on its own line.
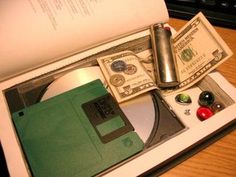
point(218, 159)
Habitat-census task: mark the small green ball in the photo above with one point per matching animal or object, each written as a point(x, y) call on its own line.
point(184, 99)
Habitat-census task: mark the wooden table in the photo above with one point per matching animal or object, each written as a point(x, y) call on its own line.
point(218, 159)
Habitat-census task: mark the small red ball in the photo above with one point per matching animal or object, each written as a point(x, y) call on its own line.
point(204, 113)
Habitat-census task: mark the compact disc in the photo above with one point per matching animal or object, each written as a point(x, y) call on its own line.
point(140, 110)
point(141, 113)
point(72, 80)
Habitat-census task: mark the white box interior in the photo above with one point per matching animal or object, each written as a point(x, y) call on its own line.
point(196, 129)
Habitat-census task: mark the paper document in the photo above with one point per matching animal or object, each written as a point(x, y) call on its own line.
point(37, 32)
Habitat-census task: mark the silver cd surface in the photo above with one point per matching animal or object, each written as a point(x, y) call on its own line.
point(140, 110)
point(72, 80)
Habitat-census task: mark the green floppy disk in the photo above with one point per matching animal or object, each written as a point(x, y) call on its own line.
point(81, 132)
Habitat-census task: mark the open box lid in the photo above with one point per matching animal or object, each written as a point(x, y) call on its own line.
point(34, 33)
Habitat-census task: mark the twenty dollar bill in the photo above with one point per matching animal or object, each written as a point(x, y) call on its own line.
point(199, 49)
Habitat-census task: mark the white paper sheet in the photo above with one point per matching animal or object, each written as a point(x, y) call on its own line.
point(36, 32)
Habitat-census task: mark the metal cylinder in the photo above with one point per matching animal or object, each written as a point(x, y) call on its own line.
point(164, 58)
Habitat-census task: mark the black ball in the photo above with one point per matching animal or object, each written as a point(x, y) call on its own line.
point(206, 98)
